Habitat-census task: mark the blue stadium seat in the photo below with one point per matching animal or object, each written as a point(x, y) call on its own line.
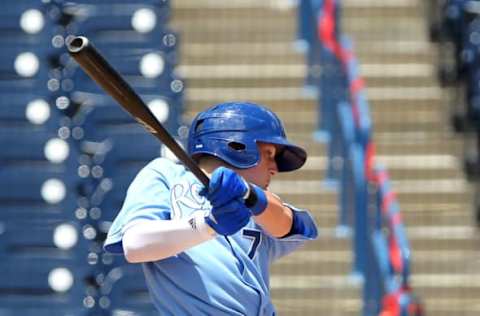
point(37, 184)
point(25, 67)
point(40, 282)
point(128, 151)
point(158, 3)
point(168, 86)
point(124, 288)
point(48, 311)
point(109, 199)
point(48, 238)
point(158, 78)
point(29, 110)
point(26, 209)
point(38, 174)
point(100, 117)
point(37, 146)
point(39, 167)
point(26, 22)
point(115, 17)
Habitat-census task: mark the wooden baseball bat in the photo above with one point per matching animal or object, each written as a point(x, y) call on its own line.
point(95, 65)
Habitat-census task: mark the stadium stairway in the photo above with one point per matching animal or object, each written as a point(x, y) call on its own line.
point(243, 49)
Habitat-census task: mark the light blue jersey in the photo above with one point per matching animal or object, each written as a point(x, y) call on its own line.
point(223, 276)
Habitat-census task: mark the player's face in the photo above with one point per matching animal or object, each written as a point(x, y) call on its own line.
point(266, 168)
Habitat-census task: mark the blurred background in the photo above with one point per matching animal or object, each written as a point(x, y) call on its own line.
point(384, 95)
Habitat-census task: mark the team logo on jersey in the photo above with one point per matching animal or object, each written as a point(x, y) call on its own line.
point(186, 200)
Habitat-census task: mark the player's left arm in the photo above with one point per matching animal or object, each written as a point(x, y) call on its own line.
point(279, 219)
point(276, 219)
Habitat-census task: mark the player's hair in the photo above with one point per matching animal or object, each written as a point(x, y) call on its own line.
point(230, 131)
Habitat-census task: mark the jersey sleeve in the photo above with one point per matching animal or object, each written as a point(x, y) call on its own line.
point(147, 198)
point(303, 231)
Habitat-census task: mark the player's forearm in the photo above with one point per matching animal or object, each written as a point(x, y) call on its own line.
point(277, 218)
point(152, 240)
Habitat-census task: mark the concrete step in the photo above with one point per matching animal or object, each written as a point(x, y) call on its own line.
point(424, 143)
point(421, 238)
point(267, 95)
point(428, 216)
point(237, 74)
point(205, 53)
point(352, 307)
point(405, 28)
point(384, 121)
point(327, 304)
point(374, 8)
point(439, 293)
point(416, 167)
point(314, 192)
point(340, 262)
point(396, 174)
point(382, 112)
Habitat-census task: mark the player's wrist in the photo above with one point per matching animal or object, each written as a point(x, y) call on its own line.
point(198, 222)
point(256, 199)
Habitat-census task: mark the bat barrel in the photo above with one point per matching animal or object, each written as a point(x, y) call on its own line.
point(76, 44)
point(93, 63)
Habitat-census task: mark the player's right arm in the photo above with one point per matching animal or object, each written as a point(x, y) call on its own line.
point(146, 230)
point(152, 240)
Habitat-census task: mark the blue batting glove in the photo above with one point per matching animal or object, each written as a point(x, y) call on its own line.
point(228, 218)
point(226, 185)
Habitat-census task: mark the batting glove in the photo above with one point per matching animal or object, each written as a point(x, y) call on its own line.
point(228, 218)
point(226, 185)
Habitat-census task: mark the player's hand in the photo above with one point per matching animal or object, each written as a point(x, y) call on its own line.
point(226, 195)
point(229, 218)
point(225, 185)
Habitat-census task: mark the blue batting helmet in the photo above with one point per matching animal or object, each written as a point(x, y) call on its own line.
point(230, 131)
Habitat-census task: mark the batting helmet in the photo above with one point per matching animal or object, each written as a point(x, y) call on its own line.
point(230, 131)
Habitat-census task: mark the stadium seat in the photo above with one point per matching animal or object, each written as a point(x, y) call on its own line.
point(48, 283)
point(25, 67)
point(125, 290)
point(158, 3)
point(98, 17)
point(49, 238)
point(37, 184)
point(48, 311)
point(27, 22)
point(37, 146)
point(30, 110)
point(168, 86)
point(100, 117)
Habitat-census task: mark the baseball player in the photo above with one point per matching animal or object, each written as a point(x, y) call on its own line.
point(203, 250)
